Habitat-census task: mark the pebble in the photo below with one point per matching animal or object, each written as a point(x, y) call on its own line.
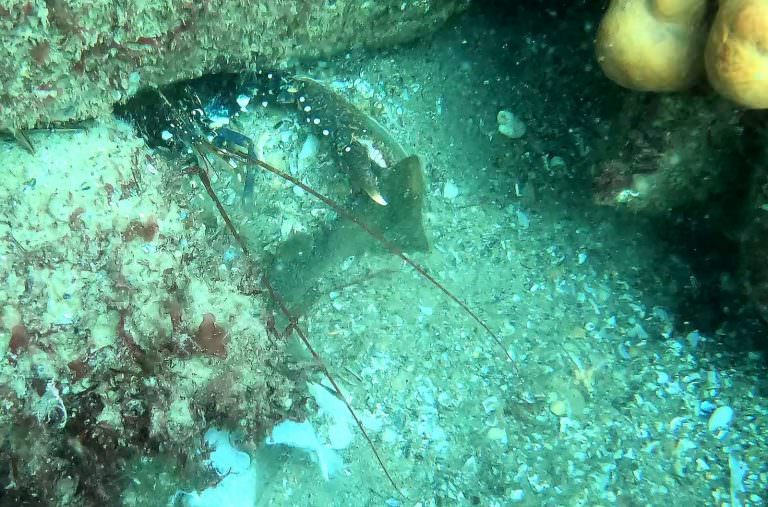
point(694, 338)
point(522, 219)
point(242, 101)
point(497, 434)
point(720, 420)
point(558, 408)
point(556, 163)
point(706, 408)
point(470, 466)
point(364, 88)
point(624, 351)
point(450, 190)
point(510, 125)
point(491, 404)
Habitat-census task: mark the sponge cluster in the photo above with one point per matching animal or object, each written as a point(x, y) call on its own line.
point(668, 45)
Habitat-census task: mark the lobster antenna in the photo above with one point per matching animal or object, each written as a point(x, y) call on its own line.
point(378, 236)
point(206, 181)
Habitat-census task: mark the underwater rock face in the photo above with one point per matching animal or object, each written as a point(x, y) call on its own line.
point(665, 160)
point(754, 240)
point(121, 333)
point(74, 60)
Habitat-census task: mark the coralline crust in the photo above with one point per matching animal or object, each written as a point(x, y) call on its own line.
point(74, 59)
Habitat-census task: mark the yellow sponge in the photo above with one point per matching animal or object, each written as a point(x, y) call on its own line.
point(737, 52)
point(652, 45)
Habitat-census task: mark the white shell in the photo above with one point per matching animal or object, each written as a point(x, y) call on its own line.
point(242, 101)
point(720, 419)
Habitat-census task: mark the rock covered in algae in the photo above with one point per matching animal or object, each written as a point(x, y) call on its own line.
point(73, 60)
point(754, 236)
point(123, 335)
point(670, 153)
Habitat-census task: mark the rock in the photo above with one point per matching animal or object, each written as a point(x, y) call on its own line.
point(73, 60)
point(497, 434)
point(720, 420)
point(450, 190)
point(753, 249)
point(664, 161)
point(558, 408)
point(510, 125)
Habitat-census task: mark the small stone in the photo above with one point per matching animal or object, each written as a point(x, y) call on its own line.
point(694, 338)
point(720, 420)
point(558, 408)
point(242, 101)
point(706, 408)
point(450, 190)
point(522, 219)
point(556, 163)
point(510, 125)
point(497, 434)
point(470, 466)
point(491, 404)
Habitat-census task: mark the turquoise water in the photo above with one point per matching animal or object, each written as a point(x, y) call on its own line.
point(154, 367)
